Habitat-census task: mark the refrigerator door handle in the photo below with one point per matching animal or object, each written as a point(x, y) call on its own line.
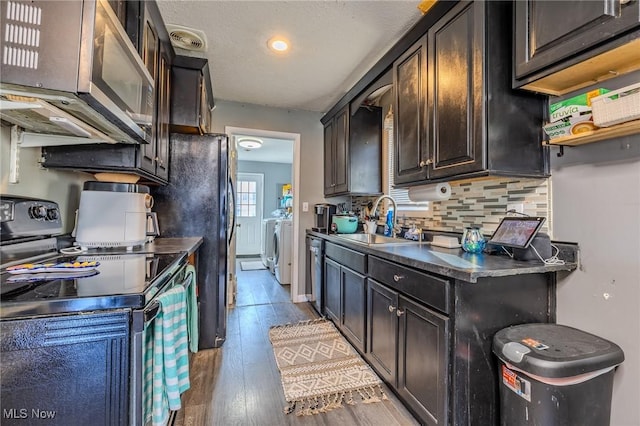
point(233, 217)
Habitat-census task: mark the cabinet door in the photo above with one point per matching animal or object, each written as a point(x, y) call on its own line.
point(329, 187)
point(547, 32)
point(382, 330)
point(332, 291)
point(163, 119)
point(341, 152)
point(150, 53)
point(354, 299)
point(410, 82)
point(456, 92)
point(423, 372)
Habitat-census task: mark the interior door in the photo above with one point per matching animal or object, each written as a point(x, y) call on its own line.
point(249, 199)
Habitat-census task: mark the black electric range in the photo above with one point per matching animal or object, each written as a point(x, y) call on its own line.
point(123, 279)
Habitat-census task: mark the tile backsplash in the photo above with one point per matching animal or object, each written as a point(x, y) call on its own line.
point(481, 202)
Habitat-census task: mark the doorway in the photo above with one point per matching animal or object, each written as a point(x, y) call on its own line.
point(293, 149)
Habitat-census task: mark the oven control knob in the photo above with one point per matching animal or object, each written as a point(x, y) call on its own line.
point(53, 214)
point(38, 212)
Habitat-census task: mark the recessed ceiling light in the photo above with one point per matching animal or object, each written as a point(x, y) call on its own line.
point(278, 44)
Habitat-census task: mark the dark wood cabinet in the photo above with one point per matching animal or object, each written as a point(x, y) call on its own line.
point(550, 35)
point(345, 292)
point(354, 298)
point(191, 95)
point(66, 370)
point(410, 124)
point(336, 154)
point(353, 152)
point(423, 360)
point(476, 125)
point(332, 290)
point(408, 341)
point(157, 55)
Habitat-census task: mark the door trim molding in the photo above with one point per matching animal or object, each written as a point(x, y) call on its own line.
point(296, 281)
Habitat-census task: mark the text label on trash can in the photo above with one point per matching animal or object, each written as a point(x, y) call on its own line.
point(516, 383)
point(532, 343)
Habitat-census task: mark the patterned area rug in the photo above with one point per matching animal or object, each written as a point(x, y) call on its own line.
point(320, 370)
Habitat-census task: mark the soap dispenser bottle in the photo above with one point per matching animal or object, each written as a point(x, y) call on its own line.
point(388, 226)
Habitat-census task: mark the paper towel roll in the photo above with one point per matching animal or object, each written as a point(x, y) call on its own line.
point(434, 192)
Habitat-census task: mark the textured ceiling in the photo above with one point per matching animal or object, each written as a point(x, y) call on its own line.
point(334, 43)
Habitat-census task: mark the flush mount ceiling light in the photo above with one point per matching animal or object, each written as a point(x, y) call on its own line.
point(249, 144)
point(278, 44)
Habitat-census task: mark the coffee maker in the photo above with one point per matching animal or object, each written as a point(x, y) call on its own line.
point(324, 214)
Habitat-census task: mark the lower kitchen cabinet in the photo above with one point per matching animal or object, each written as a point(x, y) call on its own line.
point(408, 347)
point(66, 370)
point(345, 293)
point(423, 360)
point(332, 291)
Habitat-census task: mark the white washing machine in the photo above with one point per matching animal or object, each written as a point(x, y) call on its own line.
point(283, 241)
point(268, 244)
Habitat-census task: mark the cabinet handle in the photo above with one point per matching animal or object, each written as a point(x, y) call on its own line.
point(392, 308)
point(399, 313)
point(426, 162)
point(397, 278)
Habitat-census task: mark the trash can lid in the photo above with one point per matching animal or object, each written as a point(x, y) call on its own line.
point(553, 350)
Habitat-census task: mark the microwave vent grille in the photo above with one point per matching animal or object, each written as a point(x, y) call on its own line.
point(22, 35)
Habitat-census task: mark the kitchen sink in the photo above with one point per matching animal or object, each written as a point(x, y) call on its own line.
point(374, 239)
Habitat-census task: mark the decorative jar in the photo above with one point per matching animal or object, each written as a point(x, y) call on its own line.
point(472, 240)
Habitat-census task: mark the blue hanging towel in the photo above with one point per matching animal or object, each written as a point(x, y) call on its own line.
point(169, 363)
point(192, 310)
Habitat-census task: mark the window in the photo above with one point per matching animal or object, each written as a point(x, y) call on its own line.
point(247, 199)
point(401, 195)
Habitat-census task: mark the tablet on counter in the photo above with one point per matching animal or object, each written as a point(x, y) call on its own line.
point(517, 232)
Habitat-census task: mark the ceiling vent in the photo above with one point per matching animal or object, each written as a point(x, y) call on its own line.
point(187, 38)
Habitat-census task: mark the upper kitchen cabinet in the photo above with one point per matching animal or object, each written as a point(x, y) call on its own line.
point(191, 95)
point(563, 46)
point(410, 102)
point(336, 153)
point(476, 124)
point(352, 151)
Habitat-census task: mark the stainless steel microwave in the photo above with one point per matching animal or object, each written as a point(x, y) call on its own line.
point(68, 68)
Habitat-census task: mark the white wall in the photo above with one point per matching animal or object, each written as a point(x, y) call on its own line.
point(596, 203)
point(311, 131)
point(37, 182)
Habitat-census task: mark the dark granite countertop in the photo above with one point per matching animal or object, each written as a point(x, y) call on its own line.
point(454, 263)
point(173, 245)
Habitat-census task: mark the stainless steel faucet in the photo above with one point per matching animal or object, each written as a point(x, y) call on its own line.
point(395, 211)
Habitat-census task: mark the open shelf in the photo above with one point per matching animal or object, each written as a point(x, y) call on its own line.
point(603, 133)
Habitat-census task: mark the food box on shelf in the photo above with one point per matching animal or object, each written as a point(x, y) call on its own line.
point(570, 126)
point(574, 106)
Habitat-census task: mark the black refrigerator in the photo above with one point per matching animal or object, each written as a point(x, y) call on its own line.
point(198, 201)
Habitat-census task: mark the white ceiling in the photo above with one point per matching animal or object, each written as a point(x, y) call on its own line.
point(272, 151)
point(333, 44)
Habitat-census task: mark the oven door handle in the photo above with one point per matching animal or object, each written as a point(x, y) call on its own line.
point(151, 312)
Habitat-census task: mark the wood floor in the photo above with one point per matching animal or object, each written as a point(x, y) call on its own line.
point(239, 383)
